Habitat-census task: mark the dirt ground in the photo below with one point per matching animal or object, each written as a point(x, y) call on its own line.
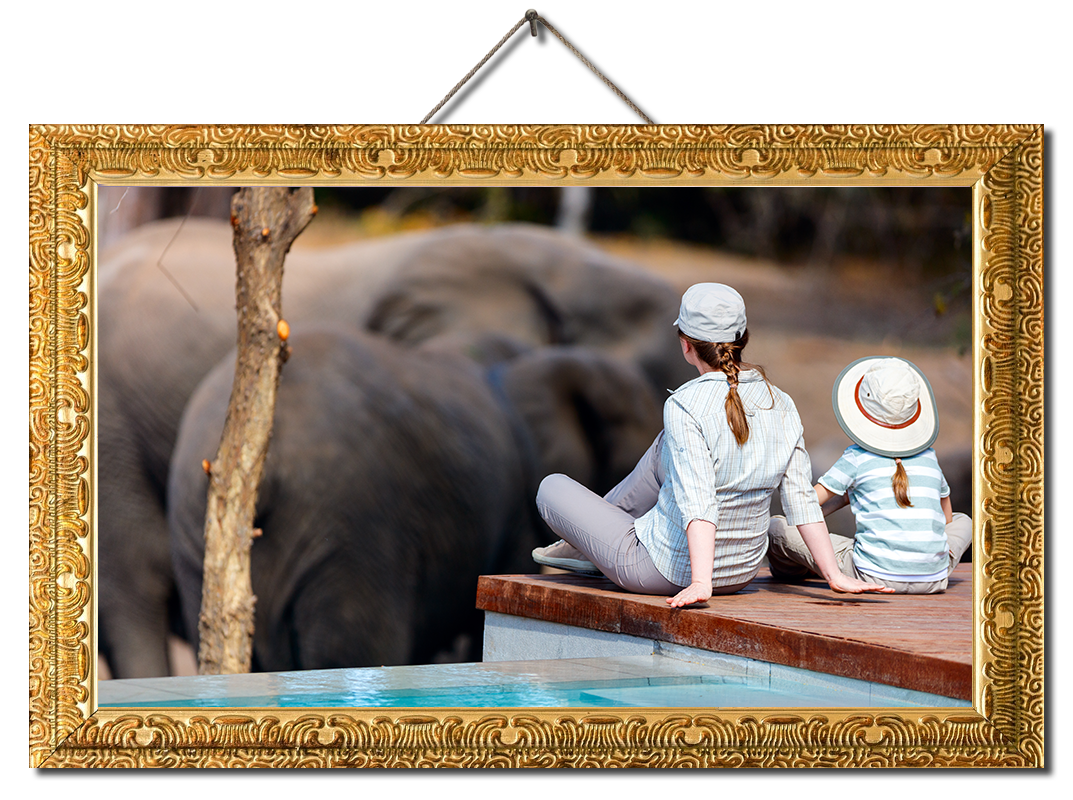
point(806, 325)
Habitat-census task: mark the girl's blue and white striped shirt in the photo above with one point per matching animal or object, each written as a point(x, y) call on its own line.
point(904, 544)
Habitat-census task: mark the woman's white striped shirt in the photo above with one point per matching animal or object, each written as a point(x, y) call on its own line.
point(709, 476)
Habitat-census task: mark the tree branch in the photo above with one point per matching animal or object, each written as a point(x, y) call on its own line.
point(266, 221)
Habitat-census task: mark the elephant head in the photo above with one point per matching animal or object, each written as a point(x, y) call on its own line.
point(589, 416)
point(536, 287)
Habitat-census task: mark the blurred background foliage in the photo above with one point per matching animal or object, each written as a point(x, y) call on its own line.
point(922, 233)
point(924, 229)
point(922, 236)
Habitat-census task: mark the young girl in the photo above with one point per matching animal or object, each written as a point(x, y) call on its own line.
point(907, 538)
point(692, 518)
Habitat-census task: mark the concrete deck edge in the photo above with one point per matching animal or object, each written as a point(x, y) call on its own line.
point(524, 596)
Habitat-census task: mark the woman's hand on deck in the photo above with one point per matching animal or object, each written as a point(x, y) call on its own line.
point(840, 582)
point(700, 538)
point(696, 592)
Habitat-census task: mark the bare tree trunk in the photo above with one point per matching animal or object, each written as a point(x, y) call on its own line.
point(575, 206)
point(266, 221)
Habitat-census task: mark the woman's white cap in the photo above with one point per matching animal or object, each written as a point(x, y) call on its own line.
point(886, 405)
point(712, 312)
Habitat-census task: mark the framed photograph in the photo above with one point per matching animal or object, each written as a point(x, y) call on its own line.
point(998, 170)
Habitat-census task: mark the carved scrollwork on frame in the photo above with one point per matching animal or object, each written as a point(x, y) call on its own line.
point(1011, 440)
point(542, 738)
point(284, 154)
point(1004, 164)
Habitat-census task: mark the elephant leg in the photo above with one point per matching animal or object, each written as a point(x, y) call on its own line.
point(136, 591)
point(330, 628)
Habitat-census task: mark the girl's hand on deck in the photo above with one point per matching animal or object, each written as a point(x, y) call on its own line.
point(694, 593)
point(842, 583)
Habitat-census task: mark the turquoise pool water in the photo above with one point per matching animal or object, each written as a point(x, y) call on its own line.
point(635, 681)
point(615, 694)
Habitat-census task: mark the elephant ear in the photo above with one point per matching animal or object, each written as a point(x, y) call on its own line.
point(589, 416)
point(422, 306)
point(488, 350)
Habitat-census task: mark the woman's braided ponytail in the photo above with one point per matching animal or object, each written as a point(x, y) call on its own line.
point(726, 358)
point(730, 364)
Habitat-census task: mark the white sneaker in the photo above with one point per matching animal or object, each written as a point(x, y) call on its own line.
point(563, 555)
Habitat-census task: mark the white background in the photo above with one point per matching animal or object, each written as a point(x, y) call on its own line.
point(826, 61)
point(817, 62)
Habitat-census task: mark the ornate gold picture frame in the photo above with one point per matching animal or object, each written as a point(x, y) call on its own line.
point(1002, 164)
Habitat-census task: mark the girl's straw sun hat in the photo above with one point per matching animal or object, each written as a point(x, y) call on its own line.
point(886, 405)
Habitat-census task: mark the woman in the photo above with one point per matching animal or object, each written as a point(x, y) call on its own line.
point(692, 518)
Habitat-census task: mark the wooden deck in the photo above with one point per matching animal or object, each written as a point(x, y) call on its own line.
point(920, 642)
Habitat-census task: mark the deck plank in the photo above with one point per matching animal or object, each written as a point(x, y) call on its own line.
point(920, 642)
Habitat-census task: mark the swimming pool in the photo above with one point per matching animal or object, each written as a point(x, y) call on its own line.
point(653, 681)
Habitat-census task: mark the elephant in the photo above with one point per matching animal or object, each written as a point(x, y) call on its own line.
point(587, 415)
point(394, 478)
point(166, 317)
